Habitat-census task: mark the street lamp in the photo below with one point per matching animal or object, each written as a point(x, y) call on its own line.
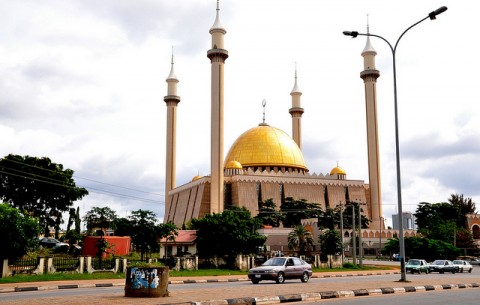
point(354, 34)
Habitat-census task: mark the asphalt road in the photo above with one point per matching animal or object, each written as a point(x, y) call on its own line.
point(242, 288)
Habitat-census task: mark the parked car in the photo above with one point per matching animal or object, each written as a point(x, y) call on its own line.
point(279, 269)
point(48, 242)
point(416, 266)
point(463, 265)
point(442, 266)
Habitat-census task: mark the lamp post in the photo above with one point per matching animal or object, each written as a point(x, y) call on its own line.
point(354, 34)
point(341, 231)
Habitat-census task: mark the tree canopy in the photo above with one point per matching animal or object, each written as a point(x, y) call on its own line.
point(446, 221)
point(228, 233)
point(102, 218)
point(300, 239)
point(429, 249)
point(330, 242)
point(296, 210)
point(19, 232)
point(42, 188)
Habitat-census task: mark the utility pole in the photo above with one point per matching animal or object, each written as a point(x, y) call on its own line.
point(341, 230)
point(360, 246)
point(354, 238)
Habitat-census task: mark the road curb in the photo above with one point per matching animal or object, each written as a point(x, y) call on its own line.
point(316, 296)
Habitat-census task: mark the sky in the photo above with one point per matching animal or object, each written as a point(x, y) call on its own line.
point(82, 82)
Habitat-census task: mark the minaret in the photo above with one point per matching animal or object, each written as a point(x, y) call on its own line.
point(296, 111)
point(217, 55)
point(172, 99)
point(369, 76)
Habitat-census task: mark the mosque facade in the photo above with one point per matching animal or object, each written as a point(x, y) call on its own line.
point(265, 162)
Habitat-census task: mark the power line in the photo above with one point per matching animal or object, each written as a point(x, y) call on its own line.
point(88, 179)
point(31, 176)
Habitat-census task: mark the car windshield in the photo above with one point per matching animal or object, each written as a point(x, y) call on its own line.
point(438, 263)
point(458, 262)
point(277, 261)
point(413, 262)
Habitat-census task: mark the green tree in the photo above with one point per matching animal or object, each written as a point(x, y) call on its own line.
point(268, 213)
point(19, 232)
point(423, 247)
point(330, 242)
point(300, 239)
point(42, 188)
point(464, 206)
point(228, 233)
point(102, 218)
point(144, 232)
point(330, 219)
point(347, 217)
point(448, 216)
point(296, 210)
point(123, 227)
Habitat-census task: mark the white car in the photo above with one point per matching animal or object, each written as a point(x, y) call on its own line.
point(463, 265)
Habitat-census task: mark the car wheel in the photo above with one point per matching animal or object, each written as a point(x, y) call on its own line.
point(442, 272)
point(305, 277)
point(453, 271)
point(461, 270)
point(470, 271)
point(280, 278)
point(255, 281)
point(426, 271)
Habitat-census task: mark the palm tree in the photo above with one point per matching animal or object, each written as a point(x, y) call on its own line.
point(300, 238)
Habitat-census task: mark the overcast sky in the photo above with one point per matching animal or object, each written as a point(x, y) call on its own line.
point(82, 82)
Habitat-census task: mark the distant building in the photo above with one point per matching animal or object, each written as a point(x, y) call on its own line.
point(408, 221)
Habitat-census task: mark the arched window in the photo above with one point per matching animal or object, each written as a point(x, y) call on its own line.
point(476, 231)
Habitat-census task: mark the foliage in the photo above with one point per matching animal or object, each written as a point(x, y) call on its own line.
point(42, 188)
point(421, 247)
point(73, 237)
point(167, 230)
point(123, 227)
point(19, 232)
point(347, 217)
point(441, 220)
point(330, 242)
point(144, 231)
point(102, 218)
point(227, 234)
point(296, 210)
point(269, 214)
point(300, 239)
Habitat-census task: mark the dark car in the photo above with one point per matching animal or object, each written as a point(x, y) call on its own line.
point(279, 269)
point(442, 266)
point(416, 266)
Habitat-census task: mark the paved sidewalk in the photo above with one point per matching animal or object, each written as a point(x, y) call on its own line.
point(263, 293)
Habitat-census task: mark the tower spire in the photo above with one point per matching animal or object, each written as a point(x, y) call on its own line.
point(172, 100)
point(296, 112)
point(369, 76)
point(217, 55)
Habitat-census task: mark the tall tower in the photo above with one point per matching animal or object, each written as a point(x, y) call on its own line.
point(217, 55)
point(172, 99)
point(369, 76)
point(296, 111)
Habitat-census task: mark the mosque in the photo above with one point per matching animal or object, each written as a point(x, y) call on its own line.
point(265, 162)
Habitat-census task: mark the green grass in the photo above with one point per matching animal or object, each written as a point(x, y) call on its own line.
point(60, 277)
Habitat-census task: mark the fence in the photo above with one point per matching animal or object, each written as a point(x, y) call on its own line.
point(61, 264)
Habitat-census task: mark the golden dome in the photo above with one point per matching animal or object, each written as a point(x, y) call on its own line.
point(337, 170)
point(233, 164)
point(196, 178)
point(266, 146)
